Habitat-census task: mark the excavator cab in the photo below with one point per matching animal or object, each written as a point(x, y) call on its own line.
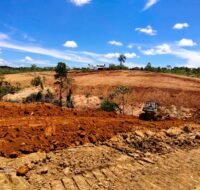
point(150, 111)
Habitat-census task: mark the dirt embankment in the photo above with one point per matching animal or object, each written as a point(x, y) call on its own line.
point(26, 128)
point(167, 88)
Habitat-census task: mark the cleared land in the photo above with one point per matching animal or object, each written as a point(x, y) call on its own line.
point(27, 128)
point(95, 150)
point(57, 149)
point(166, 88)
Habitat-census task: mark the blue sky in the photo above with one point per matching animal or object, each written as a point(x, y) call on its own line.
point(82, 32)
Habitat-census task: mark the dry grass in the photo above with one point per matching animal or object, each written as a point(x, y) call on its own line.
point(166, 88)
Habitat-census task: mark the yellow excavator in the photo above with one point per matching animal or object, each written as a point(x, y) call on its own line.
point(150, 111)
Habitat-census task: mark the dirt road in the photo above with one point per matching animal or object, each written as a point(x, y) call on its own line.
point(102, 167)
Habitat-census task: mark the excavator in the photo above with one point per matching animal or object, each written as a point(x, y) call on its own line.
point(150, 111)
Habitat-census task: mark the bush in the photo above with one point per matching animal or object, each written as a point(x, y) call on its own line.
point(109, 106)
point(7, 88)
point(37, 81)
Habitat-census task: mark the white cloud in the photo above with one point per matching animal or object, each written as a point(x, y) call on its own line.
point(192, 57)
point(130, 55)
point(116, 55)
point(112, 55)
point(46, 51)
point(130, 46)
point(148, 30)
point(70, 44)
point(3, 36)
point(180, 26)
point(30, 60)
point(27, 58)
point(27, 37)
point(4, 62)
point(186, 43)
point(149, 4)
point(71, 56)
point(115, 43)
point(158, 50)
point(80, 2)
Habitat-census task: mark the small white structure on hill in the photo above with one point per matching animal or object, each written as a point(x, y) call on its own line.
point(97, 67)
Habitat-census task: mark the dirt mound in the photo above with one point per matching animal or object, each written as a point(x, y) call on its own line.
point(141, 158)
point(26, 128)
point(197, 115)
point(30, 95)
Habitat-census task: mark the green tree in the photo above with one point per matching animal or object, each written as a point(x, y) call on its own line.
point(148, 67)
point(33, 67)
point(122, 60)
point(61, 77)
point(109, 106)
point(37, 81)
point(121, 91)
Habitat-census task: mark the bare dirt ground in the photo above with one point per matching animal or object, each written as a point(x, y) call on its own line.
point(27, 128)
point(44, 147)
point(167, 88)
point(50, 148)
point(140, 160)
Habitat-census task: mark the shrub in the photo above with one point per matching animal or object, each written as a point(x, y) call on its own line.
point(7, 88)
point(37, 81)
point(109, 106)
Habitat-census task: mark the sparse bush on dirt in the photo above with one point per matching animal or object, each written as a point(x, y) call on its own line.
point(61, 77)
point(117, 67)
point(121, 92)
point(109, 106)
point(7, 88)
point(37, 81)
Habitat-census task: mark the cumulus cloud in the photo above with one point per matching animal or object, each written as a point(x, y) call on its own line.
point(186, 43)
point(158, 50)
point(192, 57)
point(112, 55)
point(115, 43)
point(180, 26)
point(148, 30)
point(149, 4)
point(30, 60)
point(70, 44)
point(27, 58)
point(3, 36)
point(80, 2)
point(116, 55)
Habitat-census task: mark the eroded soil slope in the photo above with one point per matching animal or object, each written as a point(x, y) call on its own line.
point(27, 128)
point(166, 88)
point(140, 160)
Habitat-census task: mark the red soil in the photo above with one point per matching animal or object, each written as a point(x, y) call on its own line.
point(26, 128)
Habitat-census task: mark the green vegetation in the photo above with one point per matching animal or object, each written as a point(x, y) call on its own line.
point(117, 67)
point(121, 91)
point(33, 68)
point(109, 106)
point(195, 72)
point(122, 60)
point(7, 88)
point(61, 77)
point(37, 81)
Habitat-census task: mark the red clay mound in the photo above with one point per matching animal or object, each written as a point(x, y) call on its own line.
point(26, 128)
